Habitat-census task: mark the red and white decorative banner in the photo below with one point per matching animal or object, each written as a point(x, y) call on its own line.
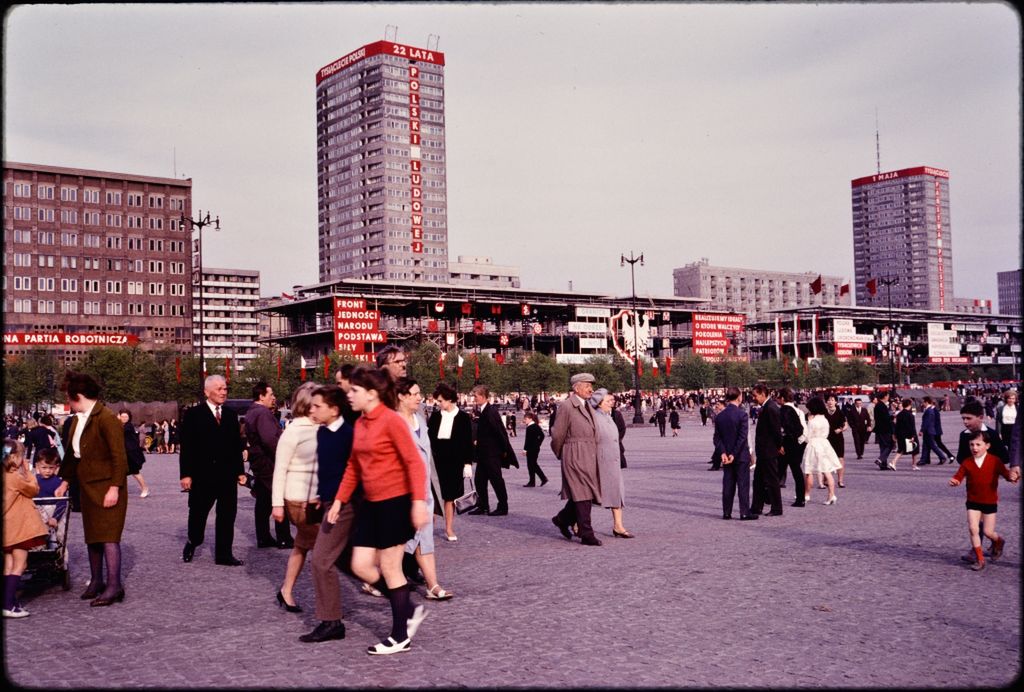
point(68, 339)
point(712, 333)
point(778, 337)
point(957, 360)
point(415, 161)
point(355, 327)
point(796, 344)
point(940, 270)
point(814, 335)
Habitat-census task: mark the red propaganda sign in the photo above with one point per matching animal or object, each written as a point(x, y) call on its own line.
point(712, 333)
point(524, 310)
point(355, 327)
point(503, 339)
point(958, 360)
point(902, 173)
point(385, 47)
point(68, 339)
point(537, 329)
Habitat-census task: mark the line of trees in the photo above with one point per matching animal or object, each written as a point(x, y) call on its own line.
point(132, 374)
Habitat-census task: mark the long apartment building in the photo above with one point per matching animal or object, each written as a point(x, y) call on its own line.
point(230, 326)
point(381, 182)
point(754, 292)
point(95, 258)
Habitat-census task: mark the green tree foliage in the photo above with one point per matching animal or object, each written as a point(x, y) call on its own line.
point(423, 366)
point(32, 378)
point(690, 371)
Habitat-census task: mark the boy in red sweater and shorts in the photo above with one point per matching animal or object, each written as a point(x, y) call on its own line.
point(982, 471)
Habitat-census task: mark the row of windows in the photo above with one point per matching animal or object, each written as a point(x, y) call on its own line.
point(93, 307)
point(92, 196)
point(135, 288)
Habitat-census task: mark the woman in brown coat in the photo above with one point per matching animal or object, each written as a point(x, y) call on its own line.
point(96, 456)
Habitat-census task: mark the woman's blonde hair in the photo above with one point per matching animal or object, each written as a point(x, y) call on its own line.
point(302, 399)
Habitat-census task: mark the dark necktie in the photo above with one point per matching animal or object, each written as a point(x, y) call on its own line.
point(218, 415)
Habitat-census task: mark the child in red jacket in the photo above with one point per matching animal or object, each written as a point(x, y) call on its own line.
point(982, 471)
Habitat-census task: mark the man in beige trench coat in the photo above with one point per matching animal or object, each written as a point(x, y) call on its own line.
point(574, 442)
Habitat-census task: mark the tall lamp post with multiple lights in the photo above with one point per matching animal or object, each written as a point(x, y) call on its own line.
point(889, 282)
point(638, 418)
point(197, 279)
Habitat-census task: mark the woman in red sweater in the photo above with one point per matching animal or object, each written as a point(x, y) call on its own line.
point(982, 471)
point(386, 462)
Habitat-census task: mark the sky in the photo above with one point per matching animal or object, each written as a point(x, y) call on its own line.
point(575, 133)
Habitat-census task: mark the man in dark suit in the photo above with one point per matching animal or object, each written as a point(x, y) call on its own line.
point(734, 451)
point(493, 451)
point(262, 432)
point(793, 442)
point(767, 449)
point(211, 469)
point(885, 433)
point(534, 438)
point(929, 425)
point(860, 426)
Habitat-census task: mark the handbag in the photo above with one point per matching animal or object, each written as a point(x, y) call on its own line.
point(468, 500)
point(308, 512)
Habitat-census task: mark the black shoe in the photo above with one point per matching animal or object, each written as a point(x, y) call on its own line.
point(229, 561)
point(774, 514)
point(727, 516)
point(562, 527)
point(284, 604)
point(107, 600)
point(924, 463)
point(188, 552)
point(544, 482)
point(92, 591)
point(749, 517)
point(325, 631)
point(591, 541)
point(478, 510)
point(499, 512)
point(798, 503)
point(530, 485)
point(266, 543)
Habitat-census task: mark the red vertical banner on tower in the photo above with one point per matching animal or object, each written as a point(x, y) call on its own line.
point(227, 370)
point(668, 366)
point(940, 269)
point(177, 369)
point(279, 368)
point(476, 366)
point(440, 366)
point(327, 367)
point(415, 167)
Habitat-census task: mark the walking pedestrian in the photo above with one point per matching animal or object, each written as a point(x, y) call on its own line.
point(1005, 416)
point(262, 434)
point(767, 450)
point(422, 544)
point(929, 425)
point(136, 457)
point(531, 446)
point(819, 457)
point(451, 440)
point(574, 442)
point(794, 441)
point(906, 435)
point(982, 471)
point(885, 435)
point(294, 489)
point(836, 427)
point(493, 452)
point(97, 459)
point(673, 421)
point(333, 446)
point(385, 460)
point(609, 461)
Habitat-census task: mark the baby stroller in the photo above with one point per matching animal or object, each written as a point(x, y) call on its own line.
point(48, 563)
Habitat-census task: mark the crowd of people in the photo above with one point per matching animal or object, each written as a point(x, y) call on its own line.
point(353, 481)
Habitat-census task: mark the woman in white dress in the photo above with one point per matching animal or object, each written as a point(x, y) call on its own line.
point(819, 457)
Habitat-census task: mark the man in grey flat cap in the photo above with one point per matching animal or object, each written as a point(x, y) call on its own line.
point(574, 442)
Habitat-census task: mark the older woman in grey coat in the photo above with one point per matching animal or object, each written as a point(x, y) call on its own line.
point(574, 442)
point(609, 460)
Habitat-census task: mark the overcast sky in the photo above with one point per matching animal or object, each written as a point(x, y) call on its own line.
point(575, 133)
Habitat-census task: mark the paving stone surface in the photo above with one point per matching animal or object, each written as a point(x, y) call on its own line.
point(867, 593)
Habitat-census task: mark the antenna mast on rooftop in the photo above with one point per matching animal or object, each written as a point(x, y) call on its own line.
point(391, 29)
point(878, 149)
point(433, 41)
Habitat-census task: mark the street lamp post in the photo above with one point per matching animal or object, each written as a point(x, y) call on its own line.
point(638, 418)
point(197, 280)
point(888, 282)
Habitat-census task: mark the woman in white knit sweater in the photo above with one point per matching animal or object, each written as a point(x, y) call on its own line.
point(294, 488)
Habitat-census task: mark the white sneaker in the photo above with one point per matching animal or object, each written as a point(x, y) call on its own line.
point(15, 612)
point(145, 493)
point(389, 646)
point(413, 623)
